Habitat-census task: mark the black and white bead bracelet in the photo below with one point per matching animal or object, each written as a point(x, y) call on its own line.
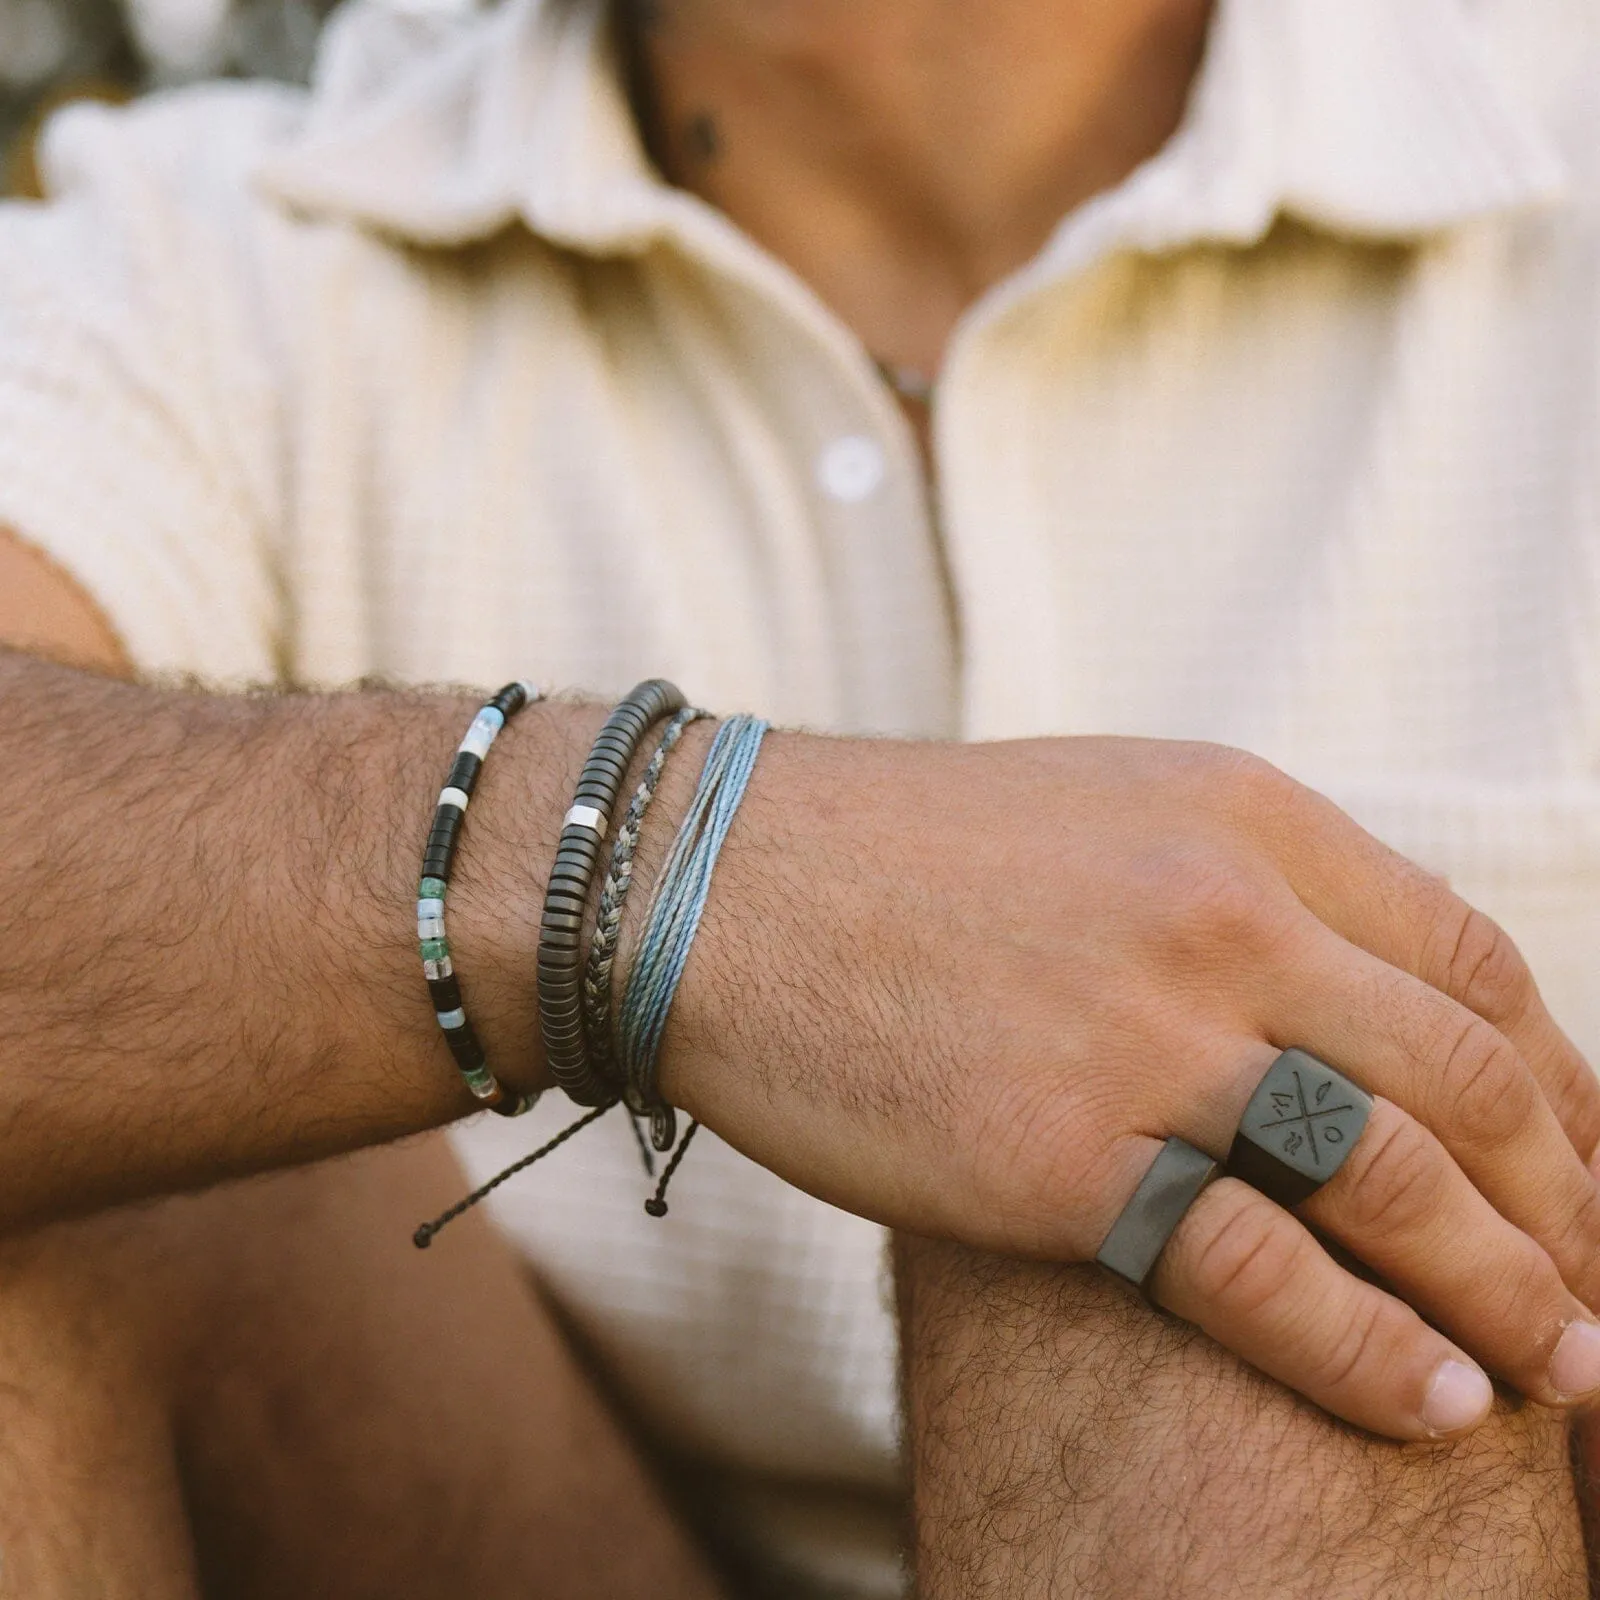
point(583, 832)
point(438, 857)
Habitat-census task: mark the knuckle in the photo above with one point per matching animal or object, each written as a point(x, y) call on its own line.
point(1217, 904)
point(1577, 1245)
point(1250, 1258)
point(1489, 1093)
point(1483, 969)
point(1358, 1344)
point(1399, 1181)
point(1529, 1288)
point(1253, 782)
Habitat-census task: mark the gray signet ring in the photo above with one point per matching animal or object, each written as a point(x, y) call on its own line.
point(1301, 1123)
point(1143, 1226)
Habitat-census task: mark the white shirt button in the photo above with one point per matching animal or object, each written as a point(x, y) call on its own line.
point(850, 469)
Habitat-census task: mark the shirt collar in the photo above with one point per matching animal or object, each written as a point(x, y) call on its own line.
point(1381, 119)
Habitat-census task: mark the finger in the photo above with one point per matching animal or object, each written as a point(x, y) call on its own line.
point(1404, 1207)
point(1459, 1076)
point(1254, 1278)
point(1411, 919)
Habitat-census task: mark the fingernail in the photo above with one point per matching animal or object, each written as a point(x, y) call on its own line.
point(1458, 1396)
point(1575, 1367)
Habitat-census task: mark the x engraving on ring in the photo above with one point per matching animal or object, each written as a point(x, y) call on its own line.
point(1303, 1118)
point(1298, 1128)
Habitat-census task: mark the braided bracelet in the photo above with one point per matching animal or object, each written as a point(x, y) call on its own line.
point(571, 878)
point(671, 923)
point(613, 900)
point(438, 857)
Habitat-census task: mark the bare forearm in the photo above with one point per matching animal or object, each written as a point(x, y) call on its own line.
point(1067, 1440)
point(210, 964)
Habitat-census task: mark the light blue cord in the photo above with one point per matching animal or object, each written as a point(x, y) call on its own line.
point(673, 918)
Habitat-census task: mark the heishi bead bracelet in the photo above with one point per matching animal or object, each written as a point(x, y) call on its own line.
point(593, 1067)
point(438, 856)
point(566, 900)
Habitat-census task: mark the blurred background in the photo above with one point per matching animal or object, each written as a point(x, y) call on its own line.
point(55, 50)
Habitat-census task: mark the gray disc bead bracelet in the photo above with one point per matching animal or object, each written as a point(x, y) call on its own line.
point(583, 831)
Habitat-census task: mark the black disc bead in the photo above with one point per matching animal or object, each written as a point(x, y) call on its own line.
point(568, 888)
point(446, 993)
point(464, 772)
point(446, 827)
point(465, 1048)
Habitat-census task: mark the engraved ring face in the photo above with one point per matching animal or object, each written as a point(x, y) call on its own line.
point(1299, 1126)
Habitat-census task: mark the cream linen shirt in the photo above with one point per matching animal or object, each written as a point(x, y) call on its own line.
point(1288, 441)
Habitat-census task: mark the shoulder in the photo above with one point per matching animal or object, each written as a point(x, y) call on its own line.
point(168, 154)
point(199, 160)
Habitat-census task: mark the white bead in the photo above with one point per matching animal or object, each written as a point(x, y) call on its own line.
point(851, 468)
point(454, 797)
point(480, 735)
point(452, 1019)
point(591, 817)
point(430, 928)
point(532, 691)
point(438, 969)
point(430, 908)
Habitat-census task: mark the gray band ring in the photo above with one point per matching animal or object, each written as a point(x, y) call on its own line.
point(1301, 1124)
point(1143, 1226)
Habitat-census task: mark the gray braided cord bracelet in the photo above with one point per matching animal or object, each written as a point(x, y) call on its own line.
point(613, 899)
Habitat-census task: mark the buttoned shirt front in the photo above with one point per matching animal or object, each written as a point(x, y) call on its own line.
point(1287, 441)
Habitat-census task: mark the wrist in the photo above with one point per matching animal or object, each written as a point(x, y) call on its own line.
point(765, 922)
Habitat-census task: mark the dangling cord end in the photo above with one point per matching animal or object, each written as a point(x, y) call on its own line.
point(646, 1154)
point(424, 1235)
point(656, 1205)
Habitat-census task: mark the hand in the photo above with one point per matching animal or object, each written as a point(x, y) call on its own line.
point(967, 990)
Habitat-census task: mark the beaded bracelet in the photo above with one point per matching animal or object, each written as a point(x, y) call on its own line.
point(671, 923)
point(572, 877)
point(438, 857)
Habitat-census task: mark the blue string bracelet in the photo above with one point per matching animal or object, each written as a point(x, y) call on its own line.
point(671, 922)
point(438, 857)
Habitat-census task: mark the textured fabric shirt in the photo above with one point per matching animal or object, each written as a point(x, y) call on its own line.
point(1287, 441)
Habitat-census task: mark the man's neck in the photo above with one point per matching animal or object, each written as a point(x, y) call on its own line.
point(904, 155)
